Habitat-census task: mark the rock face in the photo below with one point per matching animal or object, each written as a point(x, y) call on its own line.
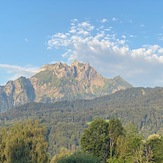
point(59, 82)
point(16, 93)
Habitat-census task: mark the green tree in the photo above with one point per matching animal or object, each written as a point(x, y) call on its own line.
point(129, 145)
point(24, 142)
point(63, 152)
point(155, 144)
point(95, 139)
point(101, 137)
point(115, 130)
point(79, 158)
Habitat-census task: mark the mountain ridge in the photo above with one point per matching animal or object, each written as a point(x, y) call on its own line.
point(59, 81)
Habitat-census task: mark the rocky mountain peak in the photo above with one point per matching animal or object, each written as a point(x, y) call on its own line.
point(82, 71)
point(59, 81)
point(76, 63)
point(80, 65)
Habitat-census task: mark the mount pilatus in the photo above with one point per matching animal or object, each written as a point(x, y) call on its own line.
point(56, 82)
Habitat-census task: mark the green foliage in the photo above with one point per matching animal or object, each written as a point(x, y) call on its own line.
point(23, 143)
point(122, 145)
point(129, 145)
point(44, 76)
point(95, 139)
point(62, 153)
point(66, 120)
point(101, 137)
point(115, 130)
point(155, 144)
point(79, 158)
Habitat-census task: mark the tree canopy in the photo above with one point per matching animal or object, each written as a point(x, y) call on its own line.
point(112, 143)
point(24, 142)
point(100, 138)
point(79, 157)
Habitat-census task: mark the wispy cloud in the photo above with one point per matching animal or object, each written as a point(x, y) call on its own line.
point(26, 40)
point(109, 54)
point(17, 71)
point(114, 19)
point(160, 36)
point(103, 20)
point(142, 25)
point(132, 36)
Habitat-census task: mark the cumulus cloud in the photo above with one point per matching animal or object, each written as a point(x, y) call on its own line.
point(17, 71)
point(109, 54)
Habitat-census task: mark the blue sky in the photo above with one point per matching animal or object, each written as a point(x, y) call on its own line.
point(116, 37)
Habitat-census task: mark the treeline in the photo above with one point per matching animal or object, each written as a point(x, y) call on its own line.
point(103, 141)
point(66, 120)
point(112, 143)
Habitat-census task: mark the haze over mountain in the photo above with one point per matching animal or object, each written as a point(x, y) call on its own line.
point(57, 82)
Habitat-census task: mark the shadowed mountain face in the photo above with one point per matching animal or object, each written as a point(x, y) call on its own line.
point(59, 82)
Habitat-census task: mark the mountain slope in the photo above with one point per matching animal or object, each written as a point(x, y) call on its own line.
point(58, 82)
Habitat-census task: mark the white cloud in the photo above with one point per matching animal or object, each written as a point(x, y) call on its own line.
point(152, 53)
point(109, 54)
point(123, 36)
point(103, 20)
point(17, 71)
point(132, 36)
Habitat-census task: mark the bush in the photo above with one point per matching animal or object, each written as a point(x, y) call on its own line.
point(79, 157)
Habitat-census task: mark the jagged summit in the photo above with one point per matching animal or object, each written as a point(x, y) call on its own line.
point(57, 65)
point(77, 69)
point(51, 66)
point(75, 63)
point(59, 81)
point(79, 64)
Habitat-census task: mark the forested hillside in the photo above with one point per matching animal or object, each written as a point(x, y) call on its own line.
point(66, 120)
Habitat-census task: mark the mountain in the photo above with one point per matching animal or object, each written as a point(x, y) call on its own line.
point(56, 82)
point(15, 93)
point(66, 120)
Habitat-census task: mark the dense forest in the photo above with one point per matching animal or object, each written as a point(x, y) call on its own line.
point(103, 141)
point(66, 120)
